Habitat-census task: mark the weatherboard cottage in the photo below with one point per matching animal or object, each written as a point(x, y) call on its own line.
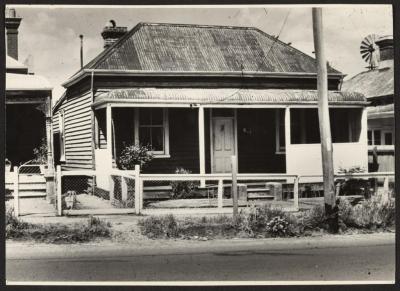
point(200, 94)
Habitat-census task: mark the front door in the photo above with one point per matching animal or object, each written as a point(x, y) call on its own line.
point(223, 144)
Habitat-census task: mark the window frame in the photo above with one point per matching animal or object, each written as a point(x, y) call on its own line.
point(61, 125)
point(157, 154)
point(279, 149)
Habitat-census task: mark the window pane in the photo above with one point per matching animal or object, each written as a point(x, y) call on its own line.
point(145, 116)
point(377, 137)
point(388, 138)
point(369, 137)
point(157, 116)
point(282, 130)
point(157, 138)
point(145, 136)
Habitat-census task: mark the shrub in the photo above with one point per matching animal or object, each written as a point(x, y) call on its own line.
point(277, 226)
point(314, 218)
point(374, 213)
point(133, 155)
point(40, 153)
point(182, 189)
point(95, 227)
point(159, 226)
point(14, 226)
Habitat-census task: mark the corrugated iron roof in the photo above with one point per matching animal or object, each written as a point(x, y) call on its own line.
point(382, 111)
point(185, 47)
point(225, 96)
point(373, 83)
point(26, 82)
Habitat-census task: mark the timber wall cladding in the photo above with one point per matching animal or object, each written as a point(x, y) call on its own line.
point(78, 132)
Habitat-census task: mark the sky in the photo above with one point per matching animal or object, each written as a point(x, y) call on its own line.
point(50, 34)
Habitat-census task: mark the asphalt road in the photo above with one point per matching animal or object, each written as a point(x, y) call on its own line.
point(332, 258)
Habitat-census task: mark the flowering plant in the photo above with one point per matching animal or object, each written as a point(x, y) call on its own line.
point(277, 226)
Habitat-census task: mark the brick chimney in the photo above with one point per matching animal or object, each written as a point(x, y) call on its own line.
point(385, 44)
point(12, 24)
point(111, 33)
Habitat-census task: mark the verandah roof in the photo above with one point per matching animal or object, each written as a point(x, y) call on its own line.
point(225, 96)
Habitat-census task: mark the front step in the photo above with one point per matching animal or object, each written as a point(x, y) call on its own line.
point(30, 185)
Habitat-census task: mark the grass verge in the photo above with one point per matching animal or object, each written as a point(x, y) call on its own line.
point(370, 215)
point(56, 233)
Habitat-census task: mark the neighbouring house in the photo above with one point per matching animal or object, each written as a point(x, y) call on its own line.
point(199, 94)
point(28, 119)
point(377, 85)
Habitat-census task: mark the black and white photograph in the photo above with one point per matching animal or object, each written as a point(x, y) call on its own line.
point(199, 144)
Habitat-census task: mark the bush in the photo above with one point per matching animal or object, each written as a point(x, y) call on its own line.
point(182, 189)
point(374, 213)
point(135, 155)
point(51, 233)
point(277, 226)
point(159, 226)
point(40, 153)
point(14, 226)
point(314, 218)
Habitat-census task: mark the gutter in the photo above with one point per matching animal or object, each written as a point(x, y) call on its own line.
point(249, 74)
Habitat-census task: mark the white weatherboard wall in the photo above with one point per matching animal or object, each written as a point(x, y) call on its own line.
point(305, 159)
point(102, 169)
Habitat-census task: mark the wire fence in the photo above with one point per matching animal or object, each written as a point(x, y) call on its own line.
point(136, 191)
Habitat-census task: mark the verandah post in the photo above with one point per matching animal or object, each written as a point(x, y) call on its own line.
point(16, 192)
point(109, 135)
point(202, 159)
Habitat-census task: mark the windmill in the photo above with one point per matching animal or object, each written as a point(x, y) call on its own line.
point(370, 51)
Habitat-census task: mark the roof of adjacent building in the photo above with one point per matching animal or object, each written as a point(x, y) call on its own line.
point(26, 82)
point(381, 111)
point(161, 47)
point(224, 96)
point(12, 63)
point(373, 83)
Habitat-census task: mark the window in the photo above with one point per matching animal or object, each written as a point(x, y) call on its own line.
point(62, 136)
point(380, 137)
point(388, 138)
point(152, 129)
point(280, 131)
point(304, 125)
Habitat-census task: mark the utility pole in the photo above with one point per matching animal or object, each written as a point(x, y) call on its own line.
point(324, 122)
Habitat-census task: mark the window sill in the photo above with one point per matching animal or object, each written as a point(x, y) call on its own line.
point(381, 148)
point(161, 156)
point(280, 153)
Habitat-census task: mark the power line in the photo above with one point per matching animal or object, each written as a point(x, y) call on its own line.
point(265, 55)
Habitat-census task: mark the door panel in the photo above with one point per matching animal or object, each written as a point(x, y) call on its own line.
point(223, 144)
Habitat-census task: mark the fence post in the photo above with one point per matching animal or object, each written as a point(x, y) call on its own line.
point(220, 193)
point(16, 192)
point(138, 190)
point(386, 189)
point(234, 187)
point(59, 191)
point(112, 188)
point(124, 189)
point(296, 193)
